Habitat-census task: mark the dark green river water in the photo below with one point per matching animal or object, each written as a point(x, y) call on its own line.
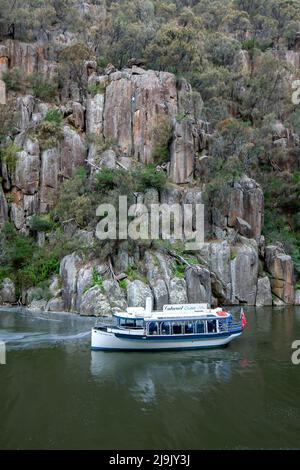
point(57, 394)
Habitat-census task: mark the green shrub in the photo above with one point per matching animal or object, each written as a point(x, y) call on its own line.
point(40, 223)
point(17, 248)
point(8, 155)
point(54, 116)
point(14, 80)
point(125, 181)
point(8, 118)
point(50, 131)
point(100, 142)
point(278, 228)
point(38, 269)
point(178, 269)
point(43, 87)
point(25, 262)
point(147, 177)
point(253, 43)
point(102, 62)
point(96, 88)
point(5, 271)
point(162, 135)
point(75, 200)
point(107, 179)
point(114, 182)
point(222, 50)
point(123, 284)
point(133, 273)
point(96, 278)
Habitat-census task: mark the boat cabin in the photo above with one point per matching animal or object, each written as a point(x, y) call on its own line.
point(189, 319)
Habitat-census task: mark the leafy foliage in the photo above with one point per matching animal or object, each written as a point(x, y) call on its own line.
point(282, 221)
point(43, 87)
point(161, 136)
point(41, 223)
point(8, 155)
point(54, 116)
point(14, 79)
point(26, 263)
point(138, 179)
point(95, 88)
point(39, 84)
point(50, 130)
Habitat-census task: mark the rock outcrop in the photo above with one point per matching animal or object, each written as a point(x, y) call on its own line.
point(68, 271)
point(7, 292)
point(116, 121)
point(242, 209)
point(134, 104)
point(264, 294)
point(137, 291)
point(3, 208)
point(281, 268)
point(94, 302)
point(244, 273)
point(297, 297)
point(198, 285)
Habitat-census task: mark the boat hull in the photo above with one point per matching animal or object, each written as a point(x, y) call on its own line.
point(107, 341)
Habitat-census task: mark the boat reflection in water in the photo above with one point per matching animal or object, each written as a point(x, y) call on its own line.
point(144, 374)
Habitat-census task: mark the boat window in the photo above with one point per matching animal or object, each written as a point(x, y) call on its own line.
point(200, 327)
point(177, 328)
point(188, 328)
point(223, 325)
point(211, 326)
point(139, 323)
point(165, 328)
point(153, 328)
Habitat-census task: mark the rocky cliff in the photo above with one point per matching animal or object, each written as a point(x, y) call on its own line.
point(113, 120)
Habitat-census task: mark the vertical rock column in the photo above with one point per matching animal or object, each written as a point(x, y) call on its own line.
point(281, 267)
point(3, 70)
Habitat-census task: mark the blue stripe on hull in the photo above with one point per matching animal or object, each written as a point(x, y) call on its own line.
point(184, 348)
point(204, 337)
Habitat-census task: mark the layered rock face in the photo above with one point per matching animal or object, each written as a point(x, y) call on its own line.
point(30, 58)
point(32, 184)
point(124, 114)
point(242, 209)
point(134, 104)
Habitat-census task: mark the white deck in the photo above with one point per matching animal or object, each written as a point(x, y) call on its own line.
point(172, 312)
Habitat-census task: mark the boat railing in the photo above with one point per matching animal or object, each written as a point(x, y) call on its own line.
point(234, 325)
point(223, 327)
point(132, 331)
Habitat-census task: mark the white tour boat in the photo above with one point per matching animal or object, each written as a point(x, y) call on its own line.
point(187, 326)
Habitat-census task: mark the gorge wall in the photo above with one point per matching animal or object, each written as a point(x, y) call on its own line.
point(125, 109)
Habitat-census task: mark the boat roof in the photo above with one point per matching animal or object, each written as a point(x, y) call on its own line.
point(173, 312)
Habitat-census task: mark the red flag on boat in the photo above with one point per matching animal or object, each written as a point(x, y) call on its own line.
point(243, 319)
